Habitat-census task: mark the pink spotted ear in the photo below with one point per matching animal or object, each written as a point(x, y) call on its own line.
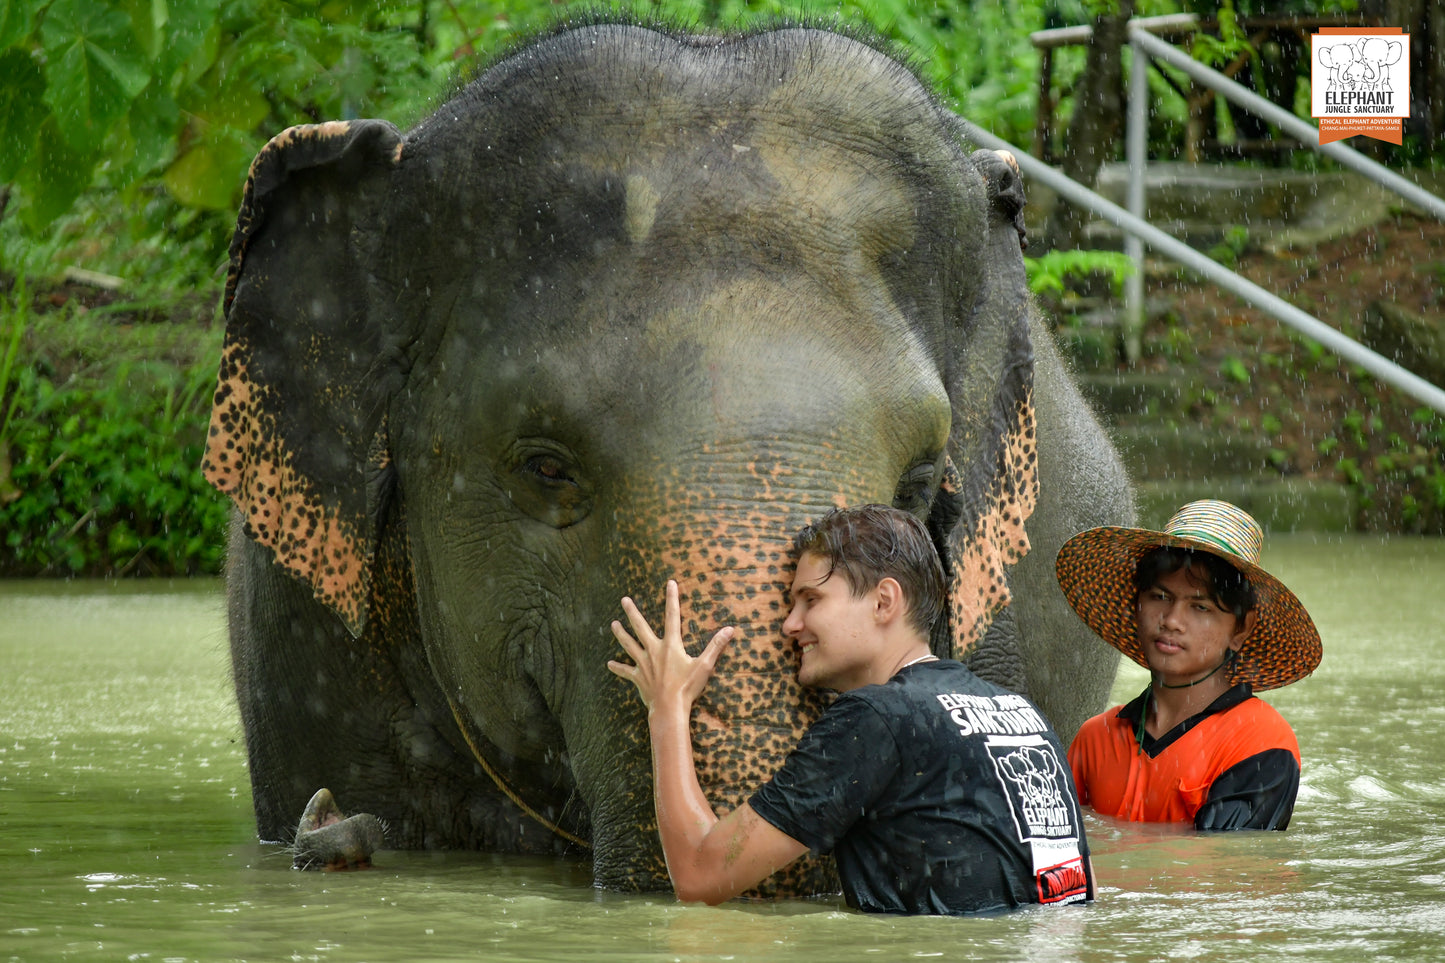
point(992, 473)
point(298, 435)
point(984, 546)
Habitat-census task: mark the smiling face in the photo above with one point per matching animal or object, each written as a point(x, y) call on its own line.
point(836, 631)
point(1183, 632)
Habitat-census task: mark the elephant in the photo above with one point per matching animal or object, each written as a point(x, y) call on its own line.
point(632, 305)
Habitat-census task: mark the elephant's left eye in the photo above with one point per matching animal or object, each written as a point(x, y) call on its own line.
point(549, 468)
point(548, 482)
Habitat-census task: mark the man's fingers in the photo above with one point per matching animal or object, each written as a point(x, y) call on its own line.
point(639, 624)
point(622, 669)
point(629, 644)
point(715, 647)
point(672, 613)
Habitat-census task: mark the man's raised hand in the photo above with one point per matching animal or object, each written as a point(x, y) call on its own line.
point(663, 670)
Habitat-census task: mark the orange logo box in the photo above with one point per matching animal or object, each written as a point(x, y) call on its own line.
point(1360, 82)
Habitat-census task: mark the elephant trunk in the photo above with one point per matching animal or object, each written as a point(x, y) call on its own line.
point(754, 711)
point(731, 560)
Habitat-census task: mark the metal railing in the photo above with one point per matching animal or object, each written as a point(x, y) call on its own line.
point(1138, 231)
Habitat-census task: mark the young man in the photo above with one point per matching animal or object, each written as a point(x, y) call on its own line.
point(1192, 605)
point(936, 791)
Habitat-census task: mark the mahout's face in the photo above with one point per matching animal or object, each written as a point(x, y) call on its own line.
point(1183, 632)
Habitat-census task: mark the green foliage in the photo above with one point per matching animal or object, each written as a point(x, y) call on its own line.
point(1232, 246)
point(12, 329)
point(98, 463)
point(183, 92)
point(1049, 274)
point(1408, 469)
point(1232, 41)
point(1394, 459)
point(1235, 370)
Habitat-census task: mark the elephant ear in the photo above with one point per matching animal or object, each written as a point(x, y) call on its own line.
point(298, 436)
point(991, 478)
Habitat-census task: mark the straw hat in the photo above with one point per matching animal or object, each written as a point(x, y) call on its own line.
point(1096, 572)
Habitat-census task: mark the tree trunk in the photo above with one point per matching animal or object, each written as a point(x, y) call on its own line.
point(1424, 21)
point(1429, 92)
point(1096, 124)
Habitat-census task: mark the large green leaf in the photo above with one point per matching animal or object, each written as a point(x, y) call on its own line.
point(21, 86)
point(54, 178)
point(148, 19)
point(94, 69)
point(344, 11)
point(211, 173)
point(231, 105)
point(191, 39)
point(147, 139)
point(16, 16)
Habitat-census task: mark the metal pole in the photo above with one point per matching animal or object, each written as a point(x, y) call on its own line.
point(1136, 152)
point(1379, 366)
point(1304, 132)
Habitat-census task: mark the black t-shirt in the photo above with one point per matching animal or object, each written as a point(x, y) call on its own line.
point(937, 793)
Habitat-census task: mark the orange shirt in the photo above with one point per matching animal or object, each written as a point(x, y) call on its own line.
point(1118, 778)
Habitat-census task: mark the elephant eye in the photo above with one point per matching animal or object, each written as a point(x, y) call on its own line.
point(547, 482)
point(550, 469)
point(915, 487)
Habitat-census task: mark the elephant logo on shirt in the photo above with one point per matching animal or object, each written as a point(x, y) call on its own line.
point(1035, 773)
point(1033, 781)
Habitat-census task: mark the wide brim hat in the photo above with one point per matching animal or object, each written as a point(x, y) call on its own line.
point(1096, 572)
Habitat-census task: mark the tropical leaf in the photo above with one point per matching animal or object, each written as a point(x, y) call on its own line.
point(21, 86)
point(16, 19)
point(148, 21)
point(210, 174)
point(146, 141)
point(55, 177)
point(192, 39)
point(93, 69)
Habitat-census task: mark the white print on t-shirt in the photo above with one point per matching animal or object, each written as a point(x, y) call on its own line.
point(1035, 774)
point(1033, 781)
point(1008, 715)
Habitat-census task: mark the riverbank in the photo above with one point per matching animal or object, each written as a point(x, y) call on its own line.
point(1224, 391)
point(103, 413)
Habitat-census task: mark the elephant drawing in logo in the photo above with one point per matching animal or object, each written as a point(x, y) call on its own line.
point(1362, 65)
point(633, 305)
point(1338, 59)
point(1036, 774)
point(1370, 71)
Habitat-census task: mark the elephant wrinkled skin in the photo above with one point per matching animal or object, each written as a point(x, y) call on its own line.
point(633, 305)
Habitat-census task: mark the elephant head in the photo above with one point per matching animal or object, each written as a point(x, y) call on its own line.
point(1375, 55)
point(631, 306)
point(1339, 60)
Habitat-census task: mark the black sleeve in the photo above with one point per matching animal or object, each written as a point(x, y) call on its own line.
point(836, 774)
point(1257, 793)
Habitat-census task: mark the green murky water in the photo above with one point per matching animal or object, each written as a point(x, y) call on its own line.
point(126, 834)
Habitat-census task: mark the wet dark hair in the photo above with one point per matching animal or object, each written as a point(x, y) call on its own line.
point(873, 542)
point(1225, 584)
